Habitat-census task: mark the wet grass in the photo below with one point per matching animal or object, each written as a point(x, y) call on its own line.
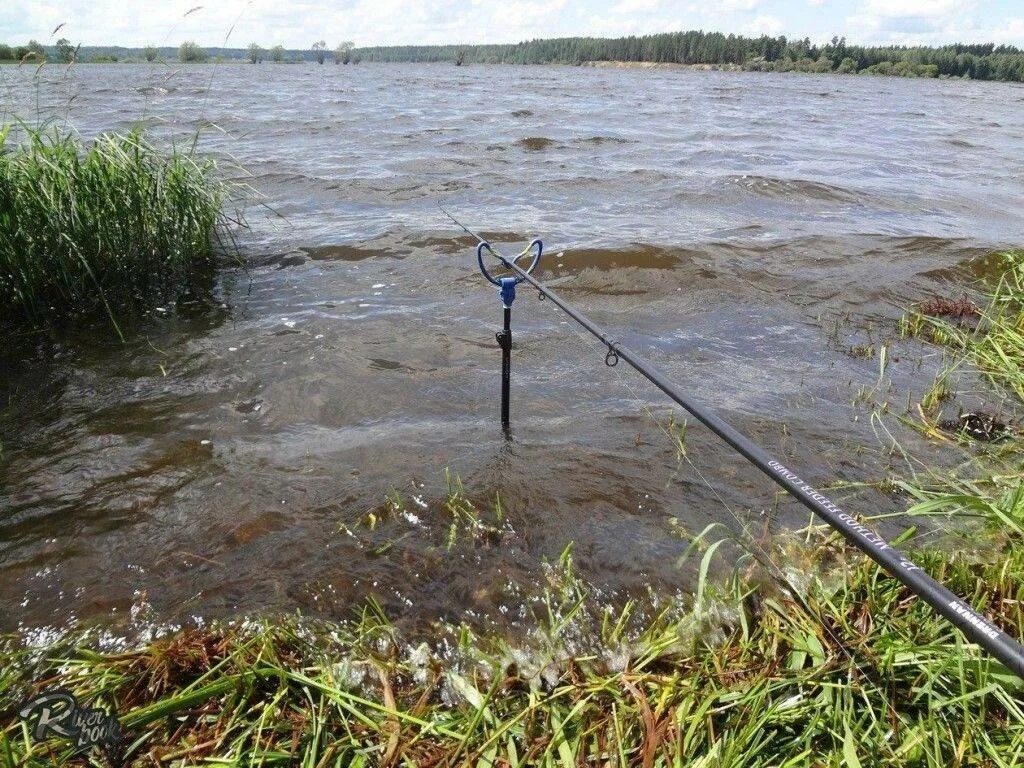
point(108, 227)
point(860, 676)
point(991, 339)
point(988, 485)
point(997, 346)
point(848, 670)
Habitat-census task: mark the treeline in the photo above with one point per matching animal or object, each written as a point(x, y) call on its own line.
point(30, 50)
point(775, 54)
point(187, 52)
point(107, 53)
point(979, 62)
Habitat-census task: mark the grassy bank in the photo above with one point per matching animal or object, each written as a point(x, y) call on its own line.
point(107, 227)
point(868, 677)
point(849, 671)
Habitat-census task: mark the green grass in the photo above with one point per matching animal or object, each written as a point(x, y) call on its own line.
point(995, 343)
point(997, 347)
point(108, 227)
point(863, 676)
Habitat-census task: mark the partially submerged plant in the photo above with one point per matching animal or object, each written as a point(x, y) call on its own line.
point(938, 393)
point(995, 343)
point(112, 226)
point(954, 309)
point(461, 520)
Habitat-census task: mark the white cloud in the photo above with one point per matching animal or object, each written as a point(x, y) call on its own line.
point(636, 6)
point(1010, 33)
point(527, 16)
point(913, 22)
point(764, 25)
point(739, 5)
point(925, 8)
point(297, 23)
point(293, 24)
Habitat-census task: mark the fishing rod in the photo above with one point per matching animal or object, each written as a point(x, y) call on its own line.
point(958, 612)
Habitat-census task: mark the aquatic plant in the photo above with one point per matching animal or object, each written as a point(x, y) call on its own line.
point(997, 346)
point(989, 484)
point(109, 226)
point(994, 339)
point(848, 670)
point(955, 309)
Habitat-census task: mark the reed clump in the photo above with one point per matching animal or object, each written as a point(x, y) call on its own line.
point(110, 226)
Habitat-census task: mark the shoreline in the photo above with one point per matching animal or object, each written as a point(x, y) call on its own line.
point(605, 64)
point(590, 64)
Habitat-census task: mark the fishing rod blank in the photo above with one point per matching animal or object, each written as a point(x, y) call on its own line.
point(962, 615)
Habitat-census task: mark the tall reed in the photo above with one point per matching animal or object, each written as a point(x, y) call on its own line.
point(109, 226)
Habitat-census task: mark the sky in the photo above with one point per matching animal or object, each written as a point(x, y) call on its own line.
point(394, 22)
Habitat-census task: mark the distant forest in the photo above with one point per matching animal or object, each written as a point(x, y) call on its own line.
point(771, 54)
point(189, 52)
point(713, 49)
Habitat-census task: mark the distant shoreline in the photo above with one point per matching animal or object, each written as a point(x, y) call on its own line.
point(595, 64)
point(661, 65)
point(693, 50)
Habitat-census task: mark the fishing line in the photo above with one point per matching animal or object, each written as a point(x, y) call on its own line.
point(449, 292)
point(449, 300)
point(958, 612)
point(748, 542)
point(744, 539)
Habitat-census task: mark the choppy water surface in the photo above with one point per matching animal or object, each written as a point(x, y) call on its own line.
point(745, 231)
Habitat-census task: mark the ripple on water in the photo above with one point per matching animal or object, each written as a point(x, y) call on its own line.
point(217, 461)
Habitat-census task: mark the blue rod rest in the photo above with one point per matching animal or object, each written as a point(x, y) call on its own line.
point(507, 291)
point(484, 245)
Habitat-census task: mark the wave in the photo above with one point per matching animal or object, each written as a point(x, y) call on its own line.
point(797, 190)
point(345, 252)
point(603, 140)
point(535, 143)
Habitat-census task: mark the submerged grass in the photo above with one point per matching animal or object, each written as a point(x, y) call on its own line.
point(109, 226)
point(851, 671)
point(991, 339)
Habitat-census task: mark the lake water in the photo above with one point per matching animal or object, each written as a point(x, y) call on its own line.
point(745, 231)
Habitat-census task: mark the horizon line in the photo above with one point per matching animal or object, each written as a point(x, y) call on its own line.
point(53, 38)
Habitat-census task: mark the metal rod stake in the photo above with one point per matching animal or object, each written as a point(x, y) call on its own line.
point(504, 338)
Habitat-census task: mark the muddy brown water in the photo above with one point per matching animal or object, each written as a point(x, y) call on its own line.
point(745, 231)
